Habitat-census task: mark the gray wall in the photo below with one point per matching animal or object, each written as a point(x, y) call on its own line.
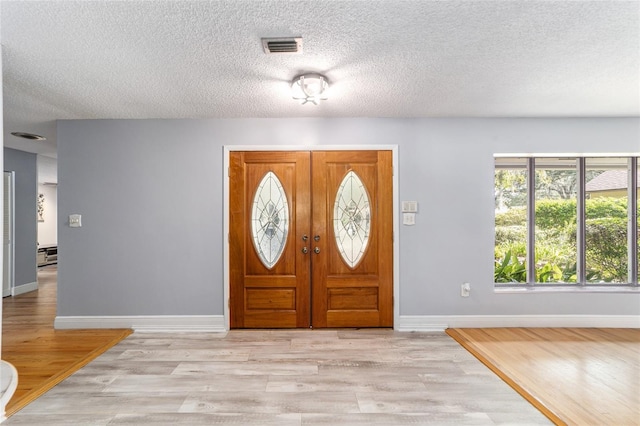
point(151, 196)
point(26, 221)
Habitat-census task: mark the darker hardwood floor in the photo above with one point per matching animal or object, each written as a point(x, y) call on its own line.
point(44, 356)
point(575, 376)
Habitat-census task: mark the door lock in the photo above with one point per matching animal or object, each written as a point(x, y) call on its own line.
point(316, 250)
point(305, 250)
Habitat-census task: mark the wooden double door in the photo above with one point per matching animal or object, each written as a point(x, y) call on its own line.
point(311, 239)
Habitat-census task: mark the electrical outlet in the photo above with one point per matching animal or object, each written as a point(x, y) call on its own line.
point(465, 289)
point(75, 220)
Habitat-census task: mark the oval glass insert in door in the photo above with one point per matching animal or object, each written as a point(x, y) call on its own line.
point(270, 220)
point(352, 219)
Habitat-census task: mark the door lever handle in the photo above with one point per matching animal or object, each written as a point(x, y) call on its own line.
point(316, 250)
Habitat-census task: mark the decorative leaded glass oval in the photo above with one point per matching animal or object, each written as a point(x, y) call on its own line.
point(269, 220)
point(352, 219)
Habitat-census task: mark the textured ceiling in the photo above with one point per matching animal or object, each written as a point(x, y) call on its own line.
point(203, 59)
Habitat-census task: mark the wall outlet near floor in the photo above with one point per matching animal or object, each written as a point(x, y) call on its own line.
point(75, 220)
point(465, 289)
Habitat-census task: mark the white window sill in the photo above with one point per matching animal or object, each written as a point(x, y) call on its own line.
point(541, 288)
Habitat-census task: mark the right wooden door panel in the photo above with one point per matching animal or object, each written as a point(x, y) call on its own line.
point(352, 275)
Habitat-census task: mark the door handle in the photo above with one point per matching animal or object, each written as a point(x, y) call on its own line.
point(317, 238)
point(305, 237)
point(316, 250)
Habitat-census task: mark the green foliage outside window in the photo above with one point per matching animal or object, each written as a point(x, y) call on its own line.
point(607, 247)
point(556, 241)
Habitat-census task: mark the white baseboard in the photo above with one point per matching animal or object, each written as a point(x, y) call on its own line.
point(442, 322)
point(146, 323)
point(216, 323)
point(24, 288)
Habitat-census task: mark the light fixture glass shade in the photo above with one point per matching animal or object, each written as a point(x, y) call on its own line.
point(310, 88)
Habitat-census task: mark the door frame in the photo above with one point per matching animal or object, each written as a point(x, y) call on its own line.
point(8, 248)
point(396, 206)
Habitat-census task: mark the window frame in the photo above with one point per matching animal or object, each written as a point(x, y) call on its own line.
point(581, 168)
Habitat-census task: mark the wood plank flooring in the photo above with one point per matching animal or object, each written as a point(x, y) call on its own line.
point(575, 376)
point(315, 377)
point(44, 356)
point(283, 377)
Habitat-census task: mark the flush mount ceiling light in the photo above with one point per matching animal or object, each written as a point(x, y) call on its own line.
point(29, 136)
point(310, 88)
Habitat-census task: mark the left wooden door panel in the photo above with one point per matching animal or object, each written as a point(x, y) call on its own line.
point(263, 296)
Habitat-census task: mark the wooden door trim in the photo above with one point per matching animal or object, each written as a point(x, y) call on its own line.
point(365, 147)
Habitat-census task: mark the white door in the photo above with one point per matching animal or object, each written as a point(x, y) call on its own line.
point(8, 249)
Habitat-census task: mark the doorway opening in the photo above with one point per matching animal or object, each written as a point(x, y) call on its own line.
point(311, 238)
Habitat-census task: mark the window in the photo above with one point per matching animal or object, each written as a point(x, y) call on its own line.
point(511, 220)
point(566, 221)
point(606, 212)
point(556, 196)
point(352, 219)
point(270, 220)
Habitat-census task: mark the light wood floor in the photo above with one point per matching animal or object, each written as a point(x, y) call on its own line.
point(44, 356)
point(575, 376)
point(284, 378)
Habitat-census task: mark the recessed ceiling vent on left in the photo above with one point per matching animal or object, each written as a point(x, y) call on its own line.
point(30, 136)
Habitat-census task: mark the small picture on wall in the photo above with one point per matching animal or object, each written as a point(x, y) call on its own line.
point(40, 207)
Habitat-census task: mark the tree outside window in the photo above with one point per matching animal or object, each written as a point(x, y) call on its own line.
point(557, 202)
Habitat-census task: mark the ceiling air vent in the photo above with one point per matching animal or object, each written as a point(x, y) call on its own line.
point(282, 45)
point(29, 136)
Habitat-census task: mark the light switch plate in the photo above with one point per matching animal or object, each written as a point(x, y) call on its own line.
point(409, 207)
point(75, 220)
point(465, 289)
point(408, 218)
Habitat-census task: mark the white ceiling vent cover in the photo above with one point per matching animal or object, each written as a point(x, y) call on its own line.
point(282, 45)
